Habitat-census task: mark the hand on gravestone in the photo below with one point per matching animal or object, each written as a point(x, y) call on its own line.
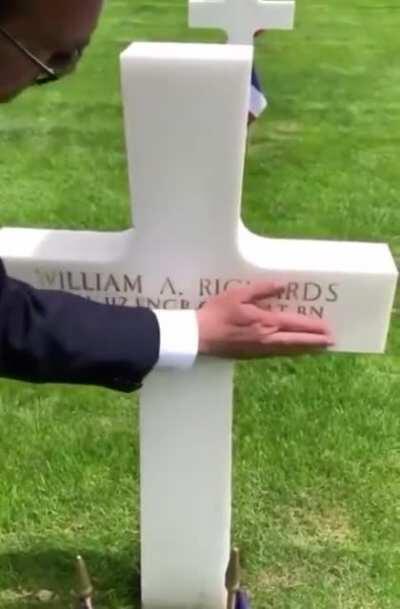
point(235, 325)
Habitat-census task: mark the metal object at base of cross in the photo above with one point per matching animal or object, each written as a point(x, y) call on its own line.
point(85, 587)
point(236, 598)
point(232, 578)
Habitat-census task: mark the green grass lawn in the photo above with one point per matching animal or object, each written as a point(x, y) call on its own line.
point(317, 441)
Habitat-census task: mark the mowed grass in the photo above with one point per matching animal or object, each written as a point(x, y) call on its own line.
point(317, 440)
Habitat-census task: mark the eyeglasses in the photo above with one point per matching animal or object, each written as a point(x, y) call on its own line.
point(63, 61)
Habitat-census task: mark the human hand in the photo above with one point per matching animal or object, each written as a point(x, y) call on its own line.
point(234, 325)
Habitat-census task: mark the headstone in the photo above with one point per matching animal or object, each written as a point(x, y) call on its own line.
point(186, 150)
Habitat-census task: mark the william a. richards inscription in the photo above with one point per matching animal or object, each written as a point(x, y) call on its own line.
point(307, 298)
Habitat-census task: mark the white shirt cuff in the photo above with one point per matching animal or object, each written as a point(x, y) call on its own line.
point(179, 338)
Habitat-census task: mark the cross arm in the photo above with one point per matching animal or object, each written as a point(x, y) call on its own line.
point(274, 15)
point(241, 19)
point(203, 15)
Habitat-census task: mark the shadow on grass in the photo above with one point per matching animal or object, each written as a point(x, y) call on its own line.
point(25, 575)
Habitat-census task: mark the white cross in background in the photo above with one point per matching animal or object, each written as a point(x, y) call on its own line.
point(241, 19)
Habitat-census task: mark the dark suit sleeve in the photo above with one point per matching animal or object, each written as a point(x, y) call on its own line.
point(48, 336)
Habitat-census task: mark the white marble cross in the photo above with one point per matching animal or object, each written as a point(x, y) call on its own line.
point(186, 124)
point(241, 19)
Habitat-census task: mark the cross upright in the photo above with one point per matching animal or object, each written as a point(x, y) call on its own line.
point(241, 19)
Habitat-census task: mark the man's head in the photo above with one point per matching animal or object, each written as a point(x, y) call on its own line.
point(53, 31)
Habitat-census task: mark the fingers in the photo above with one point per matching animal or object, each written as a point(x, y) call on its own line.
point(258, 290)
point(294, 322)
point(294, 340)
point(250, 298)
